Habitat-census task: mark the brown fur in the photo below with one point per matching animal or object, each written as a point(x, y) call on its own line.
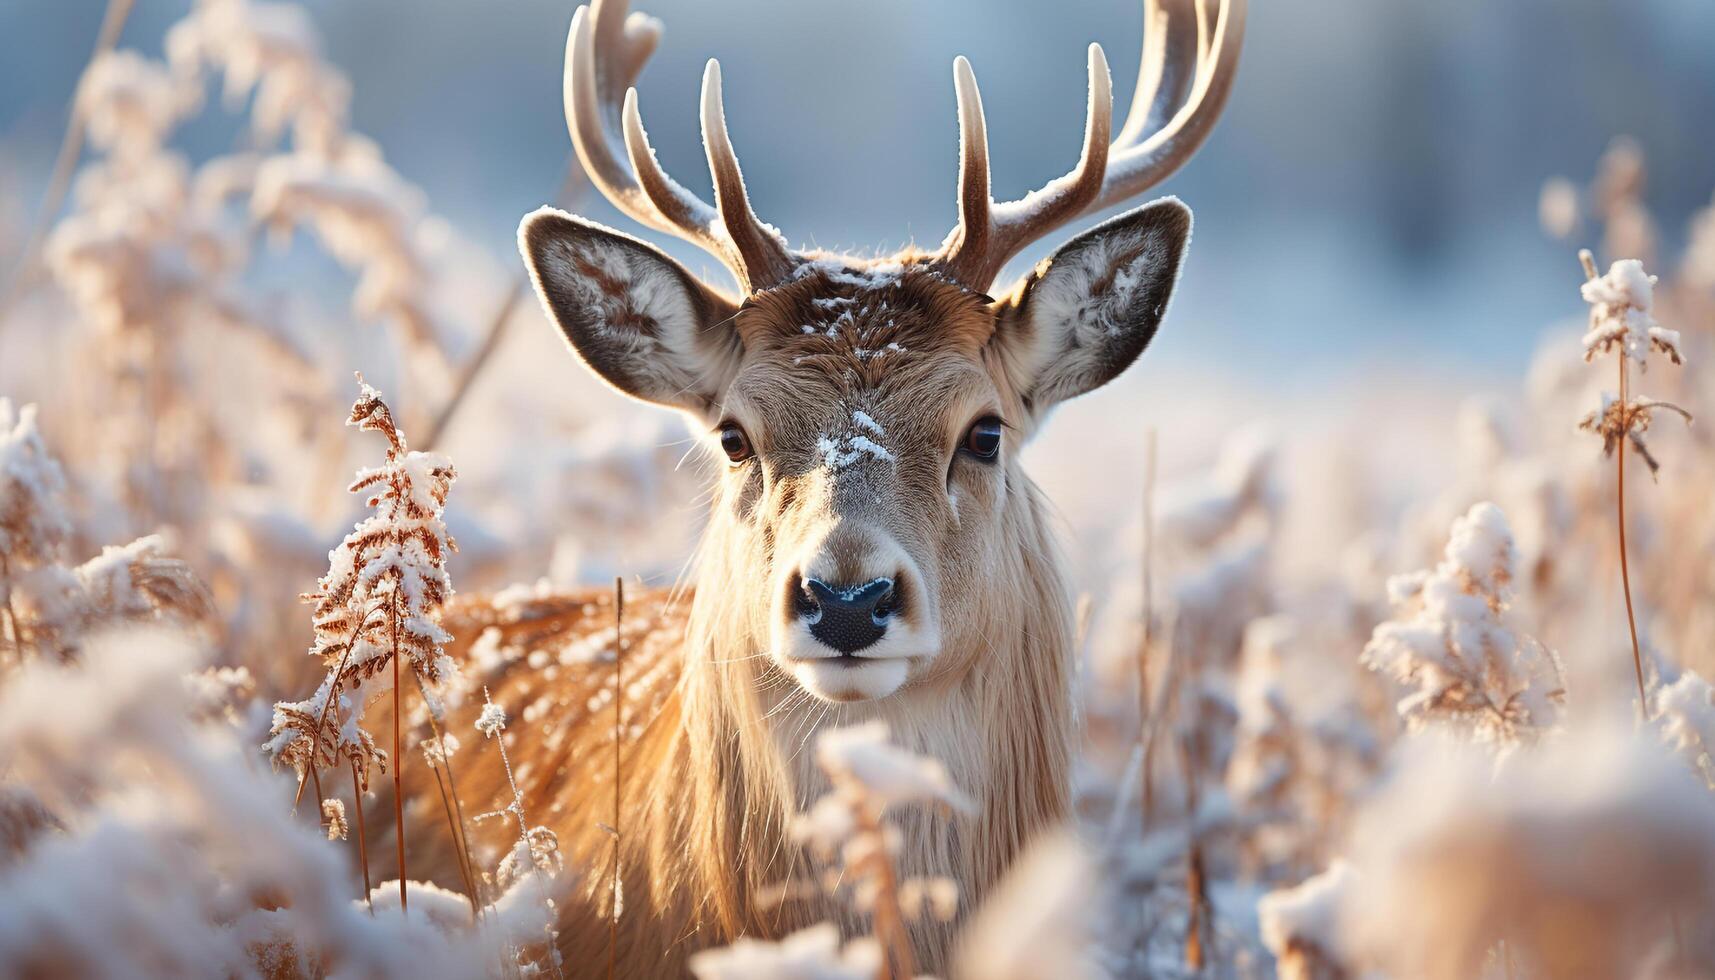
point(710, 784)
point(722, 706)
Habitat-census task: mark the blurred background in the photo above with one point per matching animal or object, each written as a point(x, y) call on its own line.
point(1370, 249)
point(1371, 193)
point(1378, 327)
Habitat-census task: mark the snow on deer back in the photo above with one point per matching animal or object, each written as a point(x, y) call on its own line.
point(874, 549)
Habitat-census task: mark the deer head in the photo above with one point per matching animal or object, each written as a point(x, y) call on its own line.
point(870, 411)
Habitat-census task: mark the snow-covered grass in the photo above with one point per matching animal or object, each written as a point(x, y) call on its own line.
point(1393, 675)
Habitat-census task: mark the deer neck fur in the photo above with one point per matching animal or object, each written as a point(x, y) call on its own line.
point(744, 761)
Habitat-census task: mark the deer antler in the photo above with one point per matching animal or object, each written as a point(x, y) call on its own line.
point(605, 51)
point(1150, 146)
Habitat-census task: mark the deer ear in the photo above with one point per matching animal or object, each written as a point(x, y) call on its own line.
point(635, 317)
point(1084, 315)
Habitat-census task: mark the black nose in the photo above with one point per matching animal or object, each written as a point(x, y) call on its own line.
point(847, 617)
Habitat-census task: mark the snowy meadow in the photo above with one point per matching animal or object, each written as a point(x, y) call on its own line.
point(339, 606)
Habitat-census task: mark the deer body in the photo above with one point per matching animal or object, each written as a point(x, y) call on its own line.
point(874, 549)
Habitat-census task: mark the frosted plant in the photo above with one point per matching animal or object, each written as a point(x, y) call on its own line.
point(125, 797)
point(1243, 481)
point(371, 220)
point(34, 524)
point(377, 607)
point(146, 261)
point(1620, 315)
point(1301, 925)
point(333, 818)
point(1580, 854)
point(846, 826)
point(1686, 719)
point(130, 103)
point(1267, 772)
point(1456, 646)
point(1264, 759)
point(1038, 922)
point(48, 607)
point(314, 734)
point(271, 49)
point(535, 856)
point(1619, 422)
point(1620, 319)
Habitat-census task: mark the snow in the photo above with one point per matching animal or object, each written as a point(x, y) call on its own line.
point(848, 450)
point(1456, 647)
point(333, 818)
point(130, 103)
point(1686, 719)
point(34, 524)
point(1456, 850)
point(1620, 315)
point(888, 774)
point(1038, 922)
point(809, 954)
point(1199, 511)
point(492, 721)
point(1308, 914)
point(864, 421)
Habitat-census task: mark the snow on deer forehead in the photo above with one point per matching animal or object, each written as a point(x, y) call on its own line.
point(869, 362)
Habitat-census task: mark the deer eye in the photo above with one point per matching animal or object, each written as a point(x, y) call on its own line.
point(734, 442)
point(983, 439)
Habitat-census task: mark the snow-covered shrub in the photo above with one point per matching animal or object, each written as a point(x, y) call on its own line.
point(378, 606)
point(49, 608)
point(146, 844)
point(1040, 920)
point(1580, 854)
point(1686, 718)
point(1456, 647)
point(1301, 925)
point(34, 524)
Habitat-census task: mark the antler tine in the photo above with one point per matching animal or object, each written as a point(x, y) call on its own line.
point(678, 206)
point(1137, 167)
point(605, 52)
point(764, 257)
point(1106, 173)
point(1162, 81)
point(583, 92)
point(989, 234)
point(971, 234)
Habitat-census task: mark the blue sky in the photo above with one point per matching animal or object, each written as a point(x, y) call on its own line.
point(1371, 194)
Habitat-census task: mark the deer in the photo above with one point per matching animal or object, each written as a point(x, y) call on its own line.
point(873, 548)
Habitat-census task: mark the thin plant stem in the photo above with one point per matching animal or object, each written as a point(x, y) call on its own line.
point(362, 840)
point(1625, 570)
point(890, 931)
point(333, 693)
point(458, 845)
point(618, 767)
point(17, 626)
point(398, 770)
point(498, 324)
point(1146, 787)
point(316, 776)
point(65, 161)
point(1588, 261)
point(455, 812)
point(1196, 879)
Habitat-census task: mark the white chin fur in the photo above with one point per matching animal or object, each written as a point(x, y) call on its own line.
point(844, 681)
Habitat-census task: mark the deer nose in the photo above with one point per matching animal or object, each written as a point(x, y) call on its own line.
point(846, 617)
